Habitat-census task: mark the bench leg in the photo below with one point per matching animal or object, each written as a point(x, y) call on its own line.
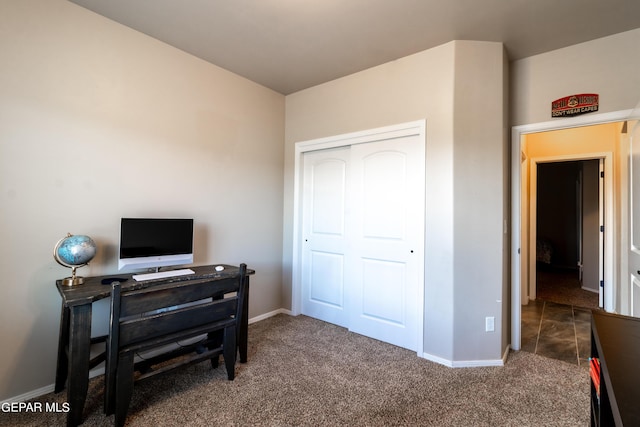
point(124, 387)
point(229, 351)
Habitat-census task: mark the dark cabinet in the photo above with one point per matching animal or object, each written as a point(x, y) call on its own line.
point(615, 370)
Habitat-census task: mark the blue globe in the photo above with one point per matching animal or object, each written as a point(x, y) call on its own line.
point(74, 251)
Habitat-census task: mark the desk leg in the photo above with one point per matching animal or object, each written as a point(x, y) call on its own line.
point(244, 326)
point(63, 342)
point(78, 370)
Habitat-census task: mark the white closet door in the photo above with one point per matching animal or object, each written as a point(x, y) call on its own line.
point(386, 274)
point(363, 238)
point(324, 240)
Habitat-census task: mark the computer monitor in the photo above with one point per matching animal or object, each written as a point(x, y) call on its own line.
point(155, 242)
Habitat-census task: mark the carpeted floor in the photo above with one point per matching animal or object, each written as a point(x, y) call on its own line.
point(304, 372)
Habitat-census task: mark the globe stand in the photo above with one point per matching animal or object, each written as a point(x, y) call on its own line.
point(73, 280)
point(74, 252)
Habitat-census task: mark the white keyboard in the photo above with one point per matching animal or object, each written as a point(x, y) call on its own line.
point(162, 274)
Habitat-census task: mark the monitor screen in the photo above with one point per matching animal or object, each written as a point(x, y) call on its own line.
point(155, 242)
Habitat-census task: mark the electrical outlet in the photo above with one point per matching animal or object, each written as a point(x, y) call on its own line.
point(489, 323)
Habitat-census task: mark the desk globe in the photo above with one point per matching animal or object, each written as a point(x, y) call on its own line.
point(73, 252)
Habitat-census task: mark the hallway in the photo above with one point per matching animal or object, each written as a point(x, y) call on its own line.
point(557, 331)
point(558, 323)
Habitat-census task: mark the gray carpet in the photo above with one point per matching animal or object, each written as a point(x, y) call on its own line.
point(304, 372)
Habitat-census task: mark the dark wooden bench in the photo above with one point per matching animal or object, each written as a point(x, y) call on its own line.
point(153, 317)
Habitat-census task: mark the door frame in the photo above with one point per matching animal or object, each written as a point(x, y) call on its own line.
point(629, 242)
point(414, 128)
point(606, 248)
point(517, 133)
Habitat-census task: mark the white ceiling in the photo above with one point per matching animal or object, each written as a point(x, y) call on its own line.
point(289, 45)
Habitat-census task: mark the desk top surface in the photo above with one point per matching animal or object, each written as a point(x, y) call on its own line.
point(618, 345)
point(92, 289)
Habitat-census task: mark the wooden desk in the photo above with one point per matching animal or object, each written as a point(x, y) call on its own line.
point(75, 328)
point(615, 343)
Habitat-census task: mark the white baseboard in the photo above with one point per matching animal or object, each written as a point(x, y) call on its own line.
point(467, 363)
point(270, 314)
point(437, 359)
point(478, 363)
point(31, 394)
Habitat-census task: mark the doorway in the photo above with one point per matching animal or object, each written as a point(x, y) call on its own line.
point(565, 235)
point(522, 247)
point(551, 251)
point(568, 230)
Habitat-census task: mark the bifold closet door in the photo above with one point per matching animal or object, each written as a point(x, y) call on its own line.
point(363, 238)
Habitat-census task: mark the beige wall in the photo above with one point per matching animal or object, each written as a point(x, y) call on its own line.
point(604, 66)
point(455, 87)
point(480, 201)
point(98, 122)
point(412, 88)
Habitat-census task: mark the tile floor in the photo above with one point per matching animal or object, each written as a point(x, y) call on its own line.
point(557, 331)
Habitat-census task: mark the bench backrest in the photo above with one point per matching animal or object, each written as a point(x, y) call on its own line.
point(149, 317)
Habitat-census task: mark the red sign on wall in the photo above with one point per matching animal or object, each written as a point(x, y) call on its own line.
point(574, 105)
